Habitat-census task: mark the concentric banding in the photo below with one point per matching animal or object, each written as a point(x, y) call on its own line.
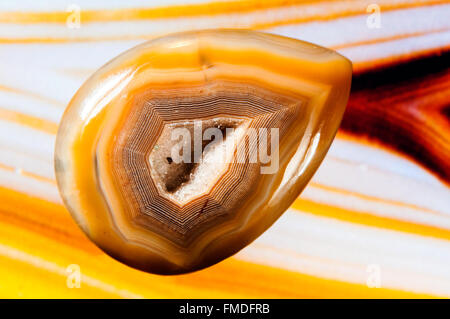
point(110, 175)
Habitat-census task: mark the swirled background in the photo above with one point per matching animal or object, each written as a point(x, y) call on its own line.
point(373, 222)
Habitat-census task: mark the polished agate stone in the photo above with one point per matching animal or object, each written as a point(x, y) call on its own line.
point(115, 162)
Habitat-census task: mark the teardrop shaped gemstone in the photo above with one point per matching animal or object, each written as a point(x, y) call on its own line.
point(181, 151)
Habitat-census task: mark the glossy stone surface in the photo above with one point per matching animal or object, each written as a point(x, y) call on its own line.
point(113, 157)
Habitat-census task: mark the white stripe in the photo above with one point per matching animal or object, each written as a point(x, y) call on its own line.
point(337, 250)
point(32, 106)
point(62, 5)
point(41, 81)
point(414, 215)
point(17, 181)
point(377, 181)
point(354, 29)
point(26, 163)
point(31, 142)
point(397, 48)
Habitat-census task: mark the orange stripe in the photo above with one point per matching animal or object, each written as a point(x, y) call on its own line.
point(195, 10)
point(7, 168)
point(30, 121)
point(27, 174)
point(367, 219)
point(31, 94)
point(125, 14)
point(369, 198)
point(41, 217)
point(386, 39)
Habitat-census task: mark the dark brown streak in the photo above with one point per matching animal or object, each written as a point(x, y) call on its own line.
point(406, 108)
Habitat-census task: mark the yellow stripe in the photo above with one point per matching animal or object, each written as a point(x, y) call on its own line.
point(27, 174)
point(31, 94)
point(125, 14)
point(369, 198)
point(351, 10)
point(387, 39)
point(30, 121)
point(367, 219)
